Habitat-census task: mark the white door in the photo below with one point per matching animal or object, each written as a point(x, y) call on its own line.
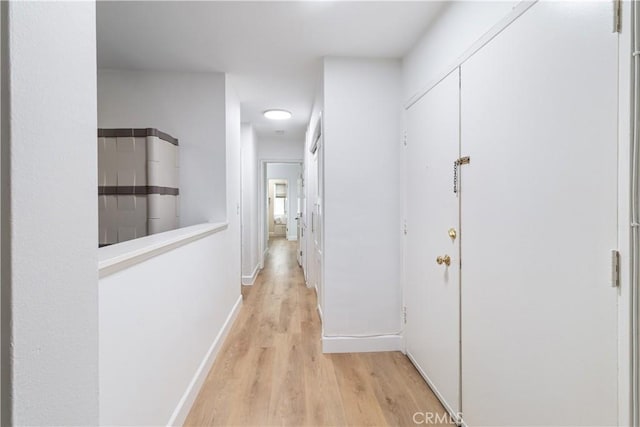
point(539, 117)
point(311, 218)
point(318, 222)
point(299, 222)
point(432, 289)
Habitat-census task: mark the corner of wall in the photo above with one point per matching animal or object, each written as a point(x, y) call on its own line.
point(51, 324)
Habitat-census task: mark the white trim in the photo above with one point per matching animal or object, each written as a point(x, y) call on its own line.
point(318, 307)
point(188, 398)
point(292, 238)
point(264, 255)
point(403, 337)
point(515, 13)
point(114, 258)
point(250, 280)
point(317, 134)
point(434, 389)
point(346, 344)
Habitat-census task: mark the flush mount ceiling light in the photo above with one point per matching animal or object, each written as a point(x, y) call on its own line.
point(277, 114)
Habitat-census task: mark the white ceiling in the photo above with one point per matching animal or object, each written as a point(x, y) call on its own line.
point(271, 49)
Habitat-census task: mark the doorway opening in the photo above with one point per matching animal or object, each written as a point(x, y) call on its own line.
point(278, 208)
point(281, 202)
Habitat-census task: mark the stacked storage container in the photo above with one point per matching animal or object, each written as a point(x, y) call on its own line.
point(138, 185)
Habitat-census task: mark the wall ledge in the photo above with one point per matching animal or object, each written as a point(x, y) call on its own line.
point(121, 256)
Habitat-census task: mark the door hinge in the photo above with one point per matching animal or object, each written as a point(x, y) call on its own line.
point(300, 253)
point(404, 314)
point(404, 138)
point(404, 227)
point(615, 268)
point(617, 16)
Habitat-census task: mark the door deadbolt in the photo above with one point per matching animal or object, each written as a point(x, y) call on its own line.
point(453, 233)
point(444, 260)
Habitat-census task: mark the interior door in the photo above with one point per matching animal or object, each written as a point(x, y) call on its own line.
point(299, 221)
point(432, 287)
point(539, 121)
point(311, 228)
point(318, 224)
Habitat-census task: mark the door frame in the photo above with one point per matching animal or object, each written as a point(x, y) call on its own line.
point(263, 231)
point(628, 235)
point(270, 213)
point(5, 367)
point(317, 157)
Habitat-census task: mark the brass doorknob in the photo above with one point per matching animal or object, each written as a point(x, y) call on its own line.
point(444, 260)
point(453, 233)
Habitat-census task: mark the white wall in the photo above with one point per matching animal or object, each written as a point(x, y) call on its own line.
point(49, 277)
point(159, 319)
point(290, 172)
point(362, 293)
point(188, 106)
point(280, 148)
point(457, 27)
point(250, 250)
point(233, 182)
point(162, 320)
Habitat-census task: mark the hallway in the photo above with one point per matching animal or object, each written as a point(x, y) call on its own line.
point(271, 370)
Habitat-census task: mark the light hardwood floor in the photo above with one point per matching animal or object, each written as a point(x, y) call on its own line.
point(271, 370)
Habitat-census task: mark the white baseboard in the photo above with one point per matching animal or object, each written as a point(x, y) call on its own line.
point(250, 280)
point(318, 307)
point(291, 238)
point(453, 414)
point(361, 344)
point(264, 255)
point(188, 398)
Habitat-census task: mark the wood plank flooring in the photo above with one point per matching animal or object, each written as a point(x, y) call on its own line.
point(271, 370)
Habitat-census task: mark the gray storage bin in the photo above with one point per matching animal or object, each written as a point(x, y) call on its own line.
point(138, 183)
